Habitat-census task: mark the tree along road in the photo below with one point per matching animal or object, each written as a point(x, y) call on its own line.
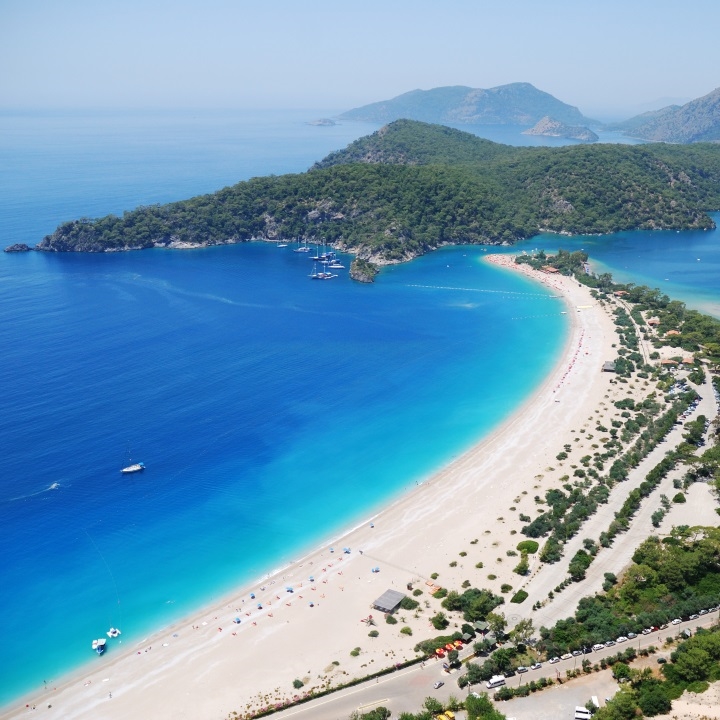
point(406, 690)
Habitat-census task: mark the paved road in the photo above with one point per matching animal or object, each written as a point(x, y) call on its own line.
point(406, 690)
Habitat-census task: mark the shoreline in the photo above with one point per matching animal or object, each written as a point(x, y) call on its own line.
point(195, 640)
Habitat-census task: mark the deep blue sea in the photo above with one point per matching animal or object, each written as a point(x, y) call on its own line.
point(271, 411)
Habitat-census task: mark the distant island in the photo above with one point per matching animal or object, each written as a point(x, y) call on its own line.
point(696, 121)
point(513, 104)
point(322, 122)
point(549, 127)
point(411, 187)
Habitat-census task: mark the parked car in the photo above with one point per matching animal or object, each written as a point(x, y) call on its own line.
point(536, 666)
point(510, 673)
point(662, 660)
point(664, 626)
point(575, 653)
point(566, 656)
point(598, 646)
point(632, 635)
point(647, 631)
point(621, 639)
point(438, 684)
point(694, 617)
point(522, 669)
point(703, 612)
point(554, 660)
point(609, 643)
point(676, 621)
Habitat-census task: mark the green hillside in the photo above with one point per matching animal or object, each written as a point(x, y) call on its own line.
point(412, 187)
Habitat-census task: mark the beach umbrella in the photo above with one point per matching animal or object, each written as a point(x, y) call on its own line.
point(288, 589)
point(252, 596)
point(259, 606)
point(237, 621)
point(312, 579)
point(332, 549)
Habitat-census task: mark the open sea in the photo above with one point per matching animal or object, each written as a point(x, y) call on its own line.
point(271, 411)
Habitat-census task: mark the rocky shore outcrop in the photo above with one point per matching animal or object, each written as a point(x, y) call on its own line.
point(18, 248)
point(549, 127)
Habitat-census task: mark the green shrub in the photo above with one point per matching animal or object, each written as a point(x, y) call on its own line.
point(355, 652)
point(679, 498)
point(528, 546)
point(408, 603)
point(373, 633)
point(519, 597)
point(390, 620)
point(505, 588)
point(406, 630)
point(297, 684)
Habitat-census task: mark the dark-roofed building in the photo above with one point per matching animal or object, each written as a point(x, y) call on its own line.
point(389, 601)
point(481, 626)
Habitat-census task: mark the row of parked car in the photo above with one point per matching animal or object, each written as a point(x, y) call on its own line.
point(625, 638)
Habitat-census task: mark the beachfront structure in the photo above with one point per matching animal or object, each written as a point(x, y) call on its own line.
point(608, 366)
point(389, 601)
point(549, 269)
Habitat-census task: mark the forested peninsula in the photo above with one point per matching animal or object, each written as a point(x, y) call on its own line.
point(411, 187)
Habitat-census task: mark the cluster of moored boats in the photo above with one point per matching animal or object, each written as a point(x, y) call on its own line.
point(327, 260)
point(99, 645)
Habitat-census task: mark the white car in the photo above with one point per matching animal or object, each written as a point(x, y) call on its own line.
point(598, 646)
point(554, 660)
point(646, 631)
point(621, 639)
point(609, 643)
point(676, 621)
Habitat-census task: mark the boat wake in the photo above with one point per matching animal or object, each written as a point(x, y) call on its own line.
point(50, 488)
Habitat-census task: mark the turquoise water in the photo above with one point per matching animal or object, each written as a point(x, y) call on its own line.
point(271, 411)
point(684, 265)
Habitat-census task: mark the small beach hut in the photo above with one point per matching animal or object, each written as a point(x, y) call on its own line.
point(608, 366)
point(389, 601)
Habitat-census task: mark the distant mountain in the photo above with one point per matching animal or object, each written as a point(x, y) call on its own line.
point(514, 104)
point(696, 121)
point(549, 127)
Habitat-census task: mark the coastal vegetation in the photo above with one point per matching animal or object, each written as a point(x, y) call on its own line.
point(672, 578)
point(412, 187)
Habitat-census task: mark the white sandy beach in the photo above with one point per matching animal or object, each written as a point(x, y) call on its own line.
point(207, 666)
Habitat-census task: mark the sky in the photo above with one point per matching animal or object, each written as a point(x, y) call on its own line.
point(611, 59)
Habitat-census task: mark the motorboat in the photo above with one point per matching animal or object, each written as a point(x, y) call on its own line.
point(135, 467)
